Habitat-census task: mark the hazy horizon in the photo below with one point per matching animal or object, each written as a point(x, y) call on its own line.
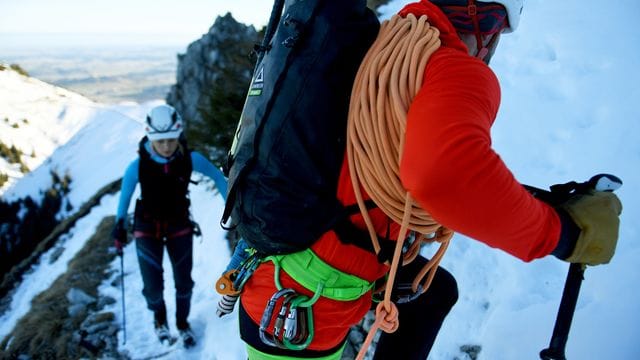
point(107, 74)
point(21, 41)
point(105, 67)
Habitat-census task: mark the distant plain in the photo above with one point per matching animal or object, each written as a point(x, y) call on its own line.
point(109, 74)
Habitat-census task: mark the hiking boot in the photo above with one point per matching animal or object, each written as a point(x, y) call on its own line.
point(163, 334)
point(188, 337)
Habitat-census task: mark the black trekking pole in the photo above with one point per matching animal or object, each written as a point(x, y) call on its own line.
point(567, 308)
point(558, 195)
point(124, 316)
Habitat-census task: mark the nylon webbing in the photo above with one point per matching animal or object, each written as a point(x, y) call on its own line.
point(255, 354)
point(308, 270)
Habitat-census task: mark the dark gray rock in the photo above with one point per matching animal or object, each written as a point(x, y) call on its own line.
point(222, 52)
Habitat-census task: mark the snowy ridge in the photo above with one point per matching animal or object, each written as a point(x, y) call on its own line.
point(96, 155)
point(69, 134)
point(63, 122)
point(37, 118)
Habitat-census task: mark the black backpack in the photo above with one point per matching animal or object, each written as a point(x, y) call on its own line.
point(285, 162)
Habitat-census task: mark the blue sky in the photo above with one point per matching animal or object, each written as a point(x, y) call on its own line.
point(157, 20)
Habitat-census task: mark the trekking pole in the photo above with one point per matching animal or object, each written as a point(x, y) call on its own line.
point(124, 316)
point(567, 308)
point(557, 195)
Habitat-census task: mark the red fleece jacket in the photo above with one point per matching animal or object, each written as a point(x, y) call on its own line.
point(449, 167)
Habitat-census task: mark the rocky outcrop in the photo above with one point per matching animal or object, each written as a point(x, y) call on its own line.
point(68, 320)
point(211, 82)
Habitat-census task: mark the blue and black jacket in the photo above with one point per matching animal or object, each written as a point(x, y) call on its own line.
point(164, 184)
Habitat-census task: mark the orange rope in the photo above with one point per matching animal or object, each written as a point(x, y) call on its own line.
point(388, 79)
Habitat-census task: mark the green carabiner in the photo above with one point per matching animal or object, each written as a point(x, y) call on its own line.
point(276, 280)
point(295, 303)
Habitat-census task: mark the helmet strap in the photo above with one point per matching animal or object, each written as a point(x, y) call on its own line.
point(472, 11)
point(482, 50)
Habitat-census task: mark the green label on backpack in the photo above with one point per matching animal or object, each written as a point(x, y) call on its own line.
point(257, 84)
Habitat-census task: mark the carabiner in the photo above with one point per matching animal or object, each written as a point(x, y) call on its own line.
point(300, 342)
point(246, 269)
point(302, 326)
point(268, 312)
point(291, 324)
point(409, 297)
point(280, 322)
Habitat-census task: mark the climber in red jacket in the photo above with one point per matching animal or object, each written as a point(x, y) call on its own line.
point(450, 169)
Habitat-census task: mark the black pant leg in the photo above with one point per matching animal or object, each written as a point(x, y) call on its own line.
point(180, 250)
point(420, 319)
point(150, 252)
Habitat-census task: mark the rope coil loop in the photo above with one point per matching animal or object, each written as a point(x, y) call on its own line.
point(389, 78)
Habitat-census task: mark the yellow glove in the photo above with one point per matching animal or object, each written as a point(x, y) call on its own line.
point(596, 214)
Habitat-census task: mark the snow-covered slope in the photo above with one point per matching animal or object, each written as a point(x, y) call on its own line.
point(68, 134)
point(40, 119)
point(94, 156)
point(37, 118)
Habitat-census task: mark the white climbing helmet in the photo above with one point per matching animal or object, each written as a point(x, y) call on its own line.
point(163, 122)
point(514, 10)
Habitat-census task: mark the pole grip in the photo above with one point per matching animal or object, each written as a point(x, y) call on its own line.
point(557, 195)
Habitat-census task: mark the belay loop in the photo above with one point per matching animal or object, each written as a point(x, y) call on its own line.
point(389, 77)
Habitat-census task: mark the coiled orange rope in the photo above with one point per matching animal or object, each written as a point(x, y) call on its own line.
point(388, 79)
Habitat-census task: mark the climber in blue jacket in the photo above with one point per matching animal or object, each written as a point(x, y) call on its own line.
point(162, 218)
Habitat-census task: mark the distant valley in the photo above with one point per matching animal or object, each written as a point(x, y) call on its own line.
point(111, 75)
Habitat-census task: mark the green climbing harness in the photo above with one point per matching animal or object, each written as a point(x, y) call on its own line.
point(293, 326)
point(308, 270)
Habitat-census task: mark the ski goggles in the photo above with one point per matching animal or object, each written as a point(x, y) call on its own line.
point(484, 19)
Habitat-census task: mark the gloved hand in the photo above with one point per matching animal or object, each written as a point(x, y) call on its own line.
point(119, 235)
point(597, 216)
